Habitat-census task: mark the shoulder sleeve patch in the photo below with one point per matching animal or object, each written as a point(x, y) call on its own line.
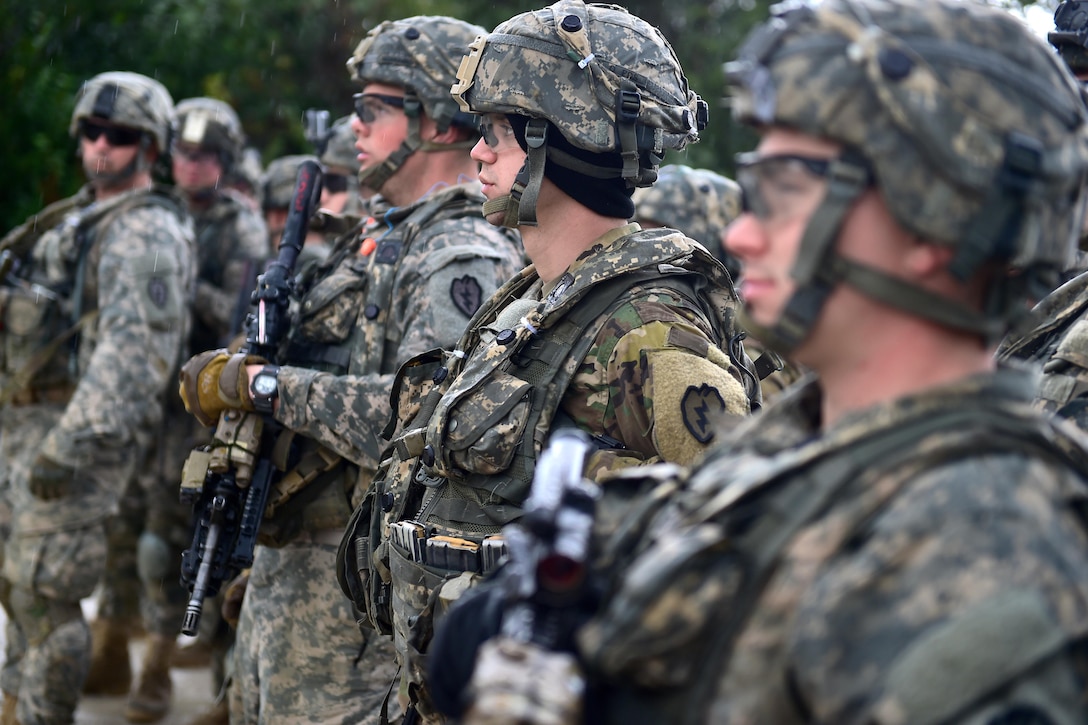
point(157, 291)
point(467, 295)
point(698, 408)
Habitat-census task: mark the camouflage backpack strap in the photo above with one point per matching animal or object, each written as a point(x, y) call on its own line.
point(22, 378)
point(19, 242)
point(748, 527)
point(1057, 311)
point(385, 263)
point(101, 219)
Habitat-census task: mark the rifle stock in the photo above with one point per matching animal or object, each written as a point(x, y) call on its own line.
point(230, 490)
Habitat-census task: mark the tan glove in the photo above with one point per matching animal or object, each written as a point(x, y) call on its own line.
point(233, 597)
point(214, 381)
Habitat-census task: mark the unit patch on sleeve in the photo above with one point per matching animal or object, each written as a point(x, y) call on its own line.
point(698, 409)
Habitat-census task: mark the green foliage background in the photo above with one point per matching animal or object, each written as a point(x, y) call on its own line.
point(270, 59)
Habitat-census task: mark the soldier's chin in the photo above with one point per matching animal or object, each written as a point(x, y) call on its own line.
point(106, 177)
point(495, 218)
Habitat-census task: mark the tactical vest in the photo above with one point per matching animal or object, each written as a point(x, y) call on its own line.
point(490, 424)
point(212, 251)
point(740, 534)
point(342, 327)
point(343, 324)
point(482, 428)
point(52, 298)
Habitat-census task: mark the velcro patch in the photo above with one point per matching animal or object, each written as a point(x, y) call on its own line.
point(467, 295)
point(157, 291)
point(698, 408)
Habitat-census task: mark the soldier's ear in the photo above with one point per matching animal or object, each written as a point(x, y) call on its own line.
point(452, 134)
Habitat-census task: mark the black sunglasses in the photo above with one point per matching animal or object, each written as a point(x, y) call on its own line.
point(336, 183)
point(365, 111)
point(115, 136)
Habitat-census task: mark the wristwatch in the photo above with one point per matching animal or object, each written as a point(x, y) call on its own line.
point(265, 388)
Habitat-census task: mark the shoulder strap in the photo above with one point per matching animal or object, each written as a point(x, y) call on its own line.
point(19, 241)
point(790, 508)
point(548, 362)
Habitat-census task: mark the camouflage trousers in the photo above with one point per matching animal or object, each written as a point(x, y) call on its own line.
point(299, 654)
point(54, 556)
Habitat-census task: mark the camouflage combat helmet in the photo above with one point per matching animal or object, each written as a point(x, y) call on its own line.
point(126, 99)
point(607, 80)
point(278, 183)
point(1070, 34)
point(340, 151)
point(419, 54)
point(210, 124)
point(969, 127)
point(247, 172)
point(698, 202)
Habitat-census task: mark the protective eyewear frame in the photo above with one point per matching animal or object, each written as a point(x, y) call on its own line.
point(115, 135)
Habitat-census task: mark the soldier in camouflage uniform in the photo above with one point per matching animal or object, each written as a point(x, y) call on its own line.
point(1070, 38)
point(245, 176)
point(1058, 338)
point(404, 284)
point(613, 330)
point(702, 204)
point(94, 328)
point(906, 541)
point(341, 193)
point(231, 244)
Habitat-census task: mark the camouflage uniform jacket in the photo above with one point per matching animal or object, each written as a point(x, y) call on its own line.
point(923, 561)
point(647, 383)
point(120, 273)
point(231, 249)
point(1060, 344)
point(359, 316)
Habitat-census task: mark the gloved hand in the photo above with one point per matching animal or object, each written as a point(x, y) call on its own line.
point(232, 599)
point(50, 480)
point(214, 381)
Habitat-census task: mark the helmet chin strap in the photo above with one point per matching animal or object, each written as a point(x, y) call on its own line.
point(376, 176)
point(816, 278)
point(519, 206)
point(819, 269)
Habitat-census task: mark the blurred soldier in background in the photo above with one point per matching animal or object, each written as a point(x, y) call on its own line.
point(698, 202)
point(1070, 37)
point(231, 243)
point(702, 204)
point(341, 193)
point(245, 175)
point(406, 283)
point(96, 317)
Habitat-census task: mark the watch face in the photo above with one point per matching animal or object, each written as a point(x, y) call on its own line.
point(264, 384)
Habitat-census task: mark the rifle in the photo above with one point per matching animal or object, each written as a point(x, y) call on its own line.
point(228, 484)
point(524, 670)
point(549, 547)
point(317, 130)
